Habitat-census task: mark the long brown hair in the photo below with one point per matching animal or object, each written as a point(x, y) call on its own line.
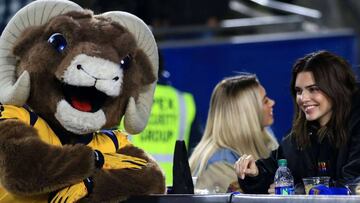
point(336, 80)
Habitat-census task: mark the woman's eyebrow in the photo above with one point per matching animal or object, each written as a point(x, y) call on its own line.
point(264, 98)
point(309, 86)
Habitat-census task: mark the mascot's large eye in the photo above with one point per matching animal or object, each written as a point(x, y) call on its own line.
point(58, 41)
point(125, 62)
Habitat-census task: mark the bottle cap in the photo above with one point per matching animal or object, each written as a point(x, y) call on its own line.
point(282, 162)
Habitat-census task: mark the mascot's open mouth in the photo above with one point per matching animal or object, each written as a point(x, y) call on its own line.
point(86, 99)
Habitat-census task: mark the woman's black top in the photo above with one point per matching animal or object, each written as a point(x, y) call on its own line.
point(318, 159)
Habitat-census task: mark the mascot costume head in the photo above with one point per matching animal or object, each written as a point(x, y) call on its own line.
point(67, 77)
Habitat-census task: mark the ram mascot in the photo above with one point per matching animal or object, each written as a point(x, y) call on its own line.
point(67, 77)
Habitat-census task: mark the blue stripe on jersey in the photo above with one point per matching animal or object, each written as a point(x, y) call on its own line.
point(33, 116)
point(1, 109)
point(112, 136)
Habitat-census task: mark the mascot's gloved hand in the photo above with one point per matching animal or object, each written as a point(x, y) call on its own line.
point(71, 194)
point(117, 161)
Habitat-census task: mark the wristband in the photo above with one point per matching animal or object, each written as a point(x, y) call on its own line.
point(89, 184)
point(99, 159)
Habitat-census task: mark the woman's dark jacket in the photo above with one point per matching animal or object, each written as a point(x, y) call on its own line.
point(342, 164)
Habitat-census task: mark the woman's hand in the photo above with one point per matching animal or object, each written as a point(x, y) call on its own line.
point(245, 166)
point(271, 189)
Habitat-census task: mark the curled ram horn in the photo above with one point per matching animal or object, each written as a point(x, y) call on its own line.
point(137, 112)
point(16, 90)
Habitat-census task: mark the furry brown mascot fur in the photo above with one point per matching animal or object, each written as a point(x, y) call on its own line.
point(65, 75)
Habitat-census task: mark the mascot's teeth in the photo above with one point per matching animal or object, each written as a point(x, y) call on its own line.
point(81, 105)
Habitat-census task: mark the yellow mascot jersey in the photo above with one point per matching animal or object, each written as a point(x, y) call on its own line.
point(106, 141)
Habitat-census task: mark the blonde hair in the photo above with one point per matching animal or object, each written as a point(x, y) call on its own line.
point(234, 122)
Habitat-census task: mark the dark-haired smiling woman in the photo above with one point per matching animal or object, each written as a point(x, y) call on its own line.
point(325, 136)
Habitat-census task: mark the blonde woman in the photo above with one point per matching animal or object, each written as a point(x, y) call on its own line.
point(236, 125)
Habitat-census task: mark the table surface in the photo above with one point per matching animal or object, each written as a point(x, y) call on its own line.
point(244, 198)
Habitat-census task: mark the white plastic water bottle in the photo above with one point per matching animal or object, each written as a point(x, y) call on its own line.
point(284, 181)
